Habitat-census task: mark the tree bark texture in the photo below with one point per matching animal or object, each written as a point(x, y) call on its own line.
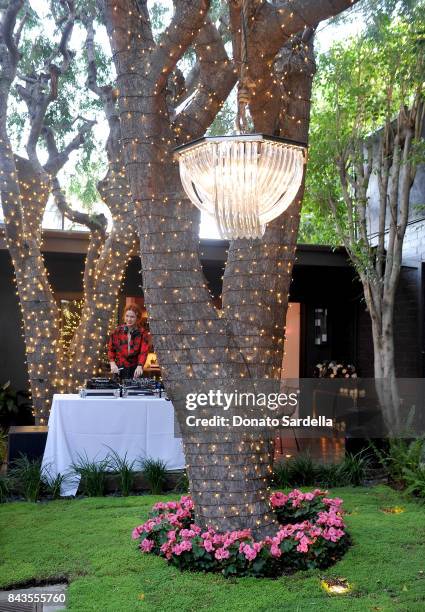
point(192, 340)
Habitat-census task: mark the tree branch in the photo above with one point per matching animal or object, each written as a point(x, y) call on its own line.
point(216, 78)
point(9, 23)
point(62, 47)
point(270, 28)
point(188, 18)
point(95, 223)
point(18, 33)
point(57, 159)
point(41, 89)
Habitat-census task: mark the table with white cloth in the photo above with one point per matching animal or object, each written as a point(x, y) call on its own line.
point(85, 427)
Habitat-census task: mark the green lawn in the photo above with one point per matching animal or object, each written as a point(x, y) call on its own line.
point(89, 542)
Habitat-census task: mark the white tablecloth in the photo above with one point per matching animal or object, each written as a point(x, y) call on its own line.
point(140, 427)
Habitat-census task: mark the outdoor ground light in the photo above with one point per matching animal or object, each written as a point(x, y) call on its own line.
point(243, 181)
point(336, 586)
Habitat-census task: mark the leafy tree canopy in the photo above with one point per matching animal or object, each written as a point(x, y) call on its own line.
point(359, 85)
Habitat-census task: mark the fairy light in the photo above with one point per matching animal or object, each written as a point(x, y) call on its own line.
point(182, 315)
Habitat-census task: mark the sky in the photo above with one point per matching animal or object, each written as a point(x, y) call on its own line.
point(327, 34)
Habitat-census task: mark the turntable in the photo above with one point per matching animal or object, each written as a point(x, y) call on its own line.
point(140, 387)
point(101, 387)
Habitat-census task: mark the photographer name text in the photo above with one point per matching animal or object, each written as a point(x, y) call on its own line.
point(239, 421)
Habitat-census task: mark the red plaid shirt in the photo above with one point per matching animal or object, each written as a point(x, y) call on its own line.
point(127, 353)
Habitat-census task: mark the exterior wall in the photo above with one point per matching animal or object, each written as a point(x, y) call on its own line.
point(406, 315)
point(321, 278)
point(12, 354)
point(407, 324)
point(414, 246)
point(414, 241)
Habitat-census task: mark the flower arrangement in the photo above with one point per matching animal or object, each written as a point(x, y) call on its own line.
point(333, 369)
point(311, 533)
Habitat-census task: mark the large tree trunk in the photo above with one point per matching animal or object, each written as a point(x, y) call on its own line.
point(23, 195)
point(195, 344)
point(88, 344)
point(384, 367)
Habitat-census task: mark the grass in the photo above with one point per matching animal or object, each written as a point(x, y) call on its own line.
point(89, 542)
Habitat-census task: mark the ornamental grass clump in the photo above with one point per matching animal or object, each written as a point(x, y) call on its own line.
point(52, 484)
point(125, 470)
point(155, 472)
point(25, 476)
point(92, 475)
point(4, 488)
point(312, 535)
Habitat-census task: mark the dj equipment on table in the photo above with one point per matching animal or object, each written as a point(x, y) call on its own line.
point(140, 386)
point(105, 387)
point(101, 387)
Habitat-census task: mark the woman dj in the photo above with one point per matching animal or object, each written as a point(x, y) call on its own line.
point(128, 345)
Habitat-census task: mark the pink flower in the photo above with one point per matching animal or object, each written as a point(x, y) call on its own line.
point(159, 506)
point(249, 552)
point(303, 545)
point(208, 545)
point(186, 545)
point(244, 533)
point(335, 501)
point(171, 535)
point(165, 547)
point(331, 519)
point(147, 545)
point(275, 551)
point(221, 553)
point(136, 532)
point(173, 520)
point(278, 499)
point(187, 502)
point(332, 534)
point(315, 532)
point(182, 547)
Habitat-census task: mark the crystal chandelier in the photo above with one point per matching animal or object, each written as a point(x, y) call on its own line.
point(243, 181)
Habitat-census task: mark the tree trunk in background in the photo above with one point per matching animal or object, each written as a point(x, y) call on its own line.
point(88, 344)
point(23, 196)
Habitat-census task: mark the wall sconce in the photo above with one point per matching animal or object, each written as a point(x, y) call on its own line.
point(320, 326)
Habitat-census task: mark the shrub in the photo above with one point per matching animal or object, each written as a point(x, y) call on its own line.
point(15, 406)
point(282, 476)
point(92, 474)
point(353, 469)
point(52, 484)
point(4, 488)
point(302, 471)
point(26, 477)
point(300, 544)
point(330, 475)
point(124, 468)
point(155, 472)
point(402, 457)
point(415, 481)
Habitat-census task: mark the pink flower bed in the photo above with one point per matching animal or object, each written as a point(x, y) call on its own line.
point(311, 534)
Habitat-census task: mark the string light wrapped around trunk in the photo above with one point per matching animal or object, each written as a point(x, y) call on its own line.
point(243, 181)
